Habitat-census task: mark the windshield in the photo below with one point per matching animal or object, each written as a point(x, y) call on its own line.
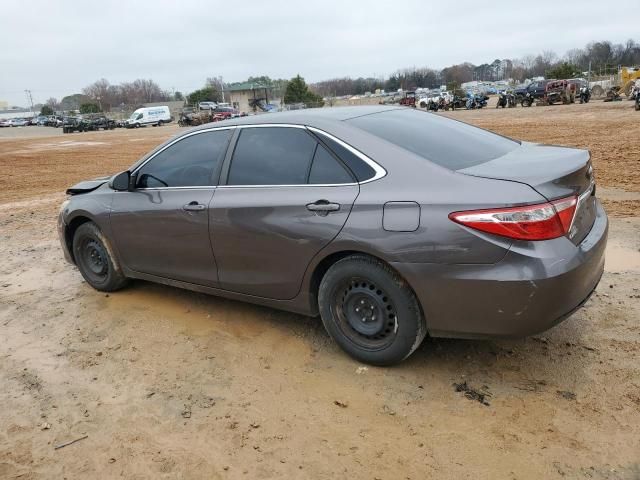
point(452, 144)
point(134, 116)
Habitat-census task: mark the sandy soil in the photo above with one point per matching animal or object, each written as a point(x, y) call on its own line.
point(166, 383)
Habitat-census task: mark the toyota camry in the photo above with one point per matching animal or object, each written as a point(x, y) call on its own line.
point(389, 223)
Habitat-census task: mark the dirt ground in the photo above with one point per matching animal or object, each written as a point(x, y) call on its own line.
point(156, 382)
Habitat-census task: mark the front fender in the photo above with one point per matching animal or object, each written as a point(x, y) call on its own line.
point(94, 207)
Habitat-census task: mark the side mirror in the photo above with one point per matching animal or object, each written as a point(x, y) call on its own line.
point(121, 182)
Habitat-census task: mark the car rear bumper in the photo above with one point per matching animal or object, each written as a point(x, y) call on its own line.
point(534, 287)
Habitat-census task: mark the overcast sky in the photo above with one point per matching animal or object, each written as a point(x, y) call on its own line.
point(56, 47)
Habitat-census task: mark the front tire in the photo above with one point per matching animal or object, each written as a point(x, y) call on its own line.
point(94, 259)
point(370, 311)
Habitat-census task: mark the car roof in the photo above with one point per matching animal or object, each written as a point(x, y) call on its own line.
point(311, 117)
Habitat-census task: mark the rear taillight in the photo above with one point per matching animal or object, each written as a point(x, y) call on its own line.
point(543, 221)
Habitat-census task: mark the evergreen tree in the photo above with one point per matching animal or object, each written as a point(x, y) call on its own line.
point(298, 92)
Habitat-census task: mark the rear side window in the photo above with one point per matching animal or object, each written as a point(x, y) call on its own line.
point(360, 169)
point(190, 162)
point(449, 143)
point(325, 169)
point(271, 156)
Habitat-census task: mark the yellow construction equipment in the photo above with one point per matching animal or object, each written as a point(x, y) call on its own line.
point(628, 77)
point(615, 83)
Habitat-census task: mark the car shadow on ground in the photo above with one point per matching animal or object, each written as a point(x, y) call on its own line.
point(529, 364)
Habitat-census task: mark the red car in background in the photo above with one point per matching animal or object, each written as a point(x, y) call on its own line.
point(223, 113)
point(409, 99)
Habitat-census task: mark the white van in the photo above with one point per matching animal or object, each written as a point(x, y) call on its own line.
point(149, 116)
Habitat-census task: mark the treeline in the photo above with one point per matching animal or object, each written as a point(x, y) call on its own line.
point(107, 96)
point(126, 93)
point(603, 56)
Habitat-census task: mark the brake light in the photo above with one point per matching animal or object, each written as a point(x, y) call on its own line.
point(542, 221)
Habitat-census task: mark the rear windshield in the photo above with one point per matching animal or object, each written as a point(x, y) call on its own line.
point(451, 144)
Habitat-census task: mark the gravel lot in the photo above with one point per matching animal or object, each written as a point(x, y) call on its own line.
point(166, 383)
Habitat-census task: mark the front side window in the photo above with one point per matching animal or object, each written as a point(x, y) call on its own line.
point(271, 156)
point(190, 162)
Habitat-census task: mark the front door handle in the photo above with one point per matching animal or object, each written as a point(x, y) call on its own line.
point(323, 207)
point(193, 207)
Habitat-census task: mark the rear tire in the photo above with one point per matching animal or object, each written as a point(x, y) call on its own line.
point(94, 259)
point(370, 311)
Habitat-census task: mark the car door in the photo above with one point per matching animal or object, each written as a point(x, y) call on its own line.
point(162, 227)
point(286, 197)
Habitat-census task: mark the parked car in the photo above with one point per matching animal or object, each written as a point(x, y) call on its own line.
point(54, 121)
point(371, 217)
point(98, 121)
point(207, 105)
point(155, 116)
point(87, 123)
point(19, 122)
point(5, 122)
point(409, 99)
point(223, 113)
point(72, 124)
point(431, 101)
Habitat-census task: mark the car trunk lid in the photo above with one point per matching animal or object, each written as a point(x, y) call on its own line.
point(554, 172)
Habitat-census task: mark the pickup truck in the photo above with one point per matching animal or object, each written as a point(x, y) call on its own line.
point(535, 89)
point(548, 91)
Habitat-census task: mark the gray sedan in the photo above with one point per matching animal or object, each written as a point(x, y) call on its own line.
point(389, 223)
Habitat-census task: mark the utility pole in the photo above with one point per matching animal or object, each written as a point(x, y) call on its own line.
point(30, 98)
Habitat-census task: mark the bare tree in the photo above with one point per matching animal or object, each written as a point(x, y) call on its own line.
point(134, 93)
point(53, 103)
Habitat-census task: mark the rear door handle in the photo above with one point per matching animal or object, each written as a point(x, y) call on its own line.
point(323, 207)
point(193, 207)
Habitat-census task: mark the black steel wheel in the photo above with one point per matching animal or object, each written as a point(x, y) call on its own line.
point(365, 314)
point(370, 311)
point(94, 260)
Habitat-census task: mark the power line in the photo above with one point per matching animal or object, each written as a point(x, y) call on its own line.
point(30, 98)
